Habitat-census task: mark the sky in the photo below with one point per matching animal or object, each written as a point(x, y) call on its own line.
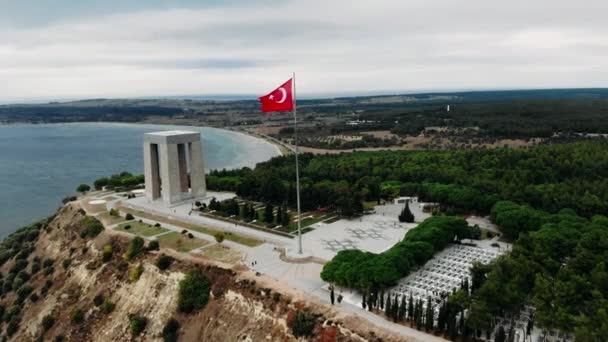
point(64, 49)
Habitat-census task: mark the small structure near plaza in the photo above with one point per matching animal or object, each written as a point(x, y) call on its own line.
point(173, 166)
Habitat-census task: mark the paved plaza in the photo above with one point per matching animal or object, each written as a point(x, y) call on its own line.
point(373, 233)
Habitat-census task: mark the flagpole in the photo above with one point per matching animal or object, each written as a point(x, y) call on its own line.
point(295, 129)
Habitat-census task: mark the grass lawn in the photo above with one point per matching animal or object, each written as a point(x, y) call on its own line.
point(180, 243)
point(108, 219)
point(222, 253)
point(141, 229)
point(243, 240)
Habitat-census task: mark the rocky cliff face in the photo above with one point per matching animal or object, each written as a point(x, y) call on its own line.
point(57, 285)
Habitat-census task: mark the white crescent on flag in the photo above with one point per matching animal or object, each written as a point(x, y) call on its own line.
point(284, 94)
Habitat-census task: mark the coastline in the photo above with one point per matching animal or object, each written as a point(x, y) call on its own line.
point(56, 176)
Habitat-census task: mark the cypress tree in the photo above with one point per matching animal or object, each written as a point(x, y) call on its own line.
point(332, 295)
point(410, 308)
point(402, 308)
point(363, 302)
point(429, 319)
point(382, 300)
point(388, 307)
point(252, 213)
point(280, 216)
point(395, 308)
point(406, 215)
point(501, 336)
point(268, 215)
point(246, 211)
point(370, 301)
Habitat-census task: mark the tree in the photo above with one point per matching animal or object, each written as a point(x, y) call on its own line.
point(303, 324)
point(429, 319)
point(252, 213)
point(153, 245)
point(77, 316)
point(137, 324)
point(388, 306)
point(83, 188)
point(406, 215)
point(331, 295)
point(268, 214)
point(170, 330)
point(219, 237)
point(402, 308)
point(47, 322)
point(193, 291)
point(363, 301)
point(163, 262)
point(286, 218)
point(280, 216)
point(410, 307)
point(501, 335)
point(135, 247)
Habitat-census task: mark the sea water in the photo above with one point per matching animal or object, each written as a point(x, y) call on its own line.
point(41, 164)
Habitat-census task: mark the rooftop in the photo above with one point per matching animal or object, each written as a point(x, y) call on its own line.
point(171, 133)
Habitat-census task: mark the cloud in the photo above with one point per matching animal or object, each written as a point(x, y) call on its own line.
point(335, 47)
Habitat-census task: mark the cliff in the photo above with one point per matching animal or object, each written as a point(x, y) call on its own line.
point(66, 279)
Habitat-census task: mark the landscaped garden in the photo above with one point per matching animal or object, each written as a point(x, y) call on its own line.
point(141, 228)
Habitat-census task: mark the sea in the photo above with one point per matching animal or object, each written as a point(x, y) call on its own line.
point(40, 164)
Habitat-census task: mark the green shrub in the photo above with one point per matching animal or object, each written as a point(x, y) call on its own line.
point(49, 270)
point(114, 212)
point(303, 324)
point(170, 331)
point(107, 306)
point(47, 322)
point(11, 313)
point(77, 316)
point(13, 327)
point(193, 291)
point(136, 273)
point(34, 297)
point(135, 247)
point(91, 227)
point(23, 292)
point(153, 245)
point(219, 237)
point(164, 261)
point(138, 324)
point(82, 188)
point(47, 263)
point(129, 217)
point(107, 253)
point(98, 300)
point(35, 267)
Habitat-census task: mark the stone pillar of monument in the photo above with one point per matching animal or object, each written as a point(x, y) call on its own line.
point(197, 170)
point(166, 159)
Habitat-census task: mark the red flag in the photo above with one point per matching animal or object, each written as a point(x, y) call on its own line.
point(279, 99)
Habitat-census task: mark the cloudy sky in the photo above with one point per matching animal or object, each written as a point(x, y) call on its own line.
point(60, 49)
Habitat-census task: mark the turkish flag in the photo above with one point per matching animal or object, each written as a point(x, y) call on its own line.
point(279, 99)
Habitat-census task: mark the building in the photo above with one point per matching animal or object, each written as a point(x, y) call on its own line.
point(173, 166)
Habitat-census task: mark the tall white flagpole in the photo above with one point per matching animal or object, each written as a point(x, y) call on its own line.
point(295, 129)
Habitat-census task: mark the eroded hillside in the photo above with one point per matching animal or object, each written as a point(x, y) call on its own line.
point(67, 279)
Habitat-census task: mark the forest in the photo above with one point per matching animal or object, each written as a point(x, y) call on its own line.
point(550, 200)
point(548, 178)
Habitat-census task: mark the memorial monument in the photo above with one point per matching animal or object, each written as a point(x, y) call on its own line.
point(173, 166)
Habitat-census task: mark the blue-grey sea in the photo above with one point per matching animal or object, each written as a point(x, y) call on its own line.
point(41, 164)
